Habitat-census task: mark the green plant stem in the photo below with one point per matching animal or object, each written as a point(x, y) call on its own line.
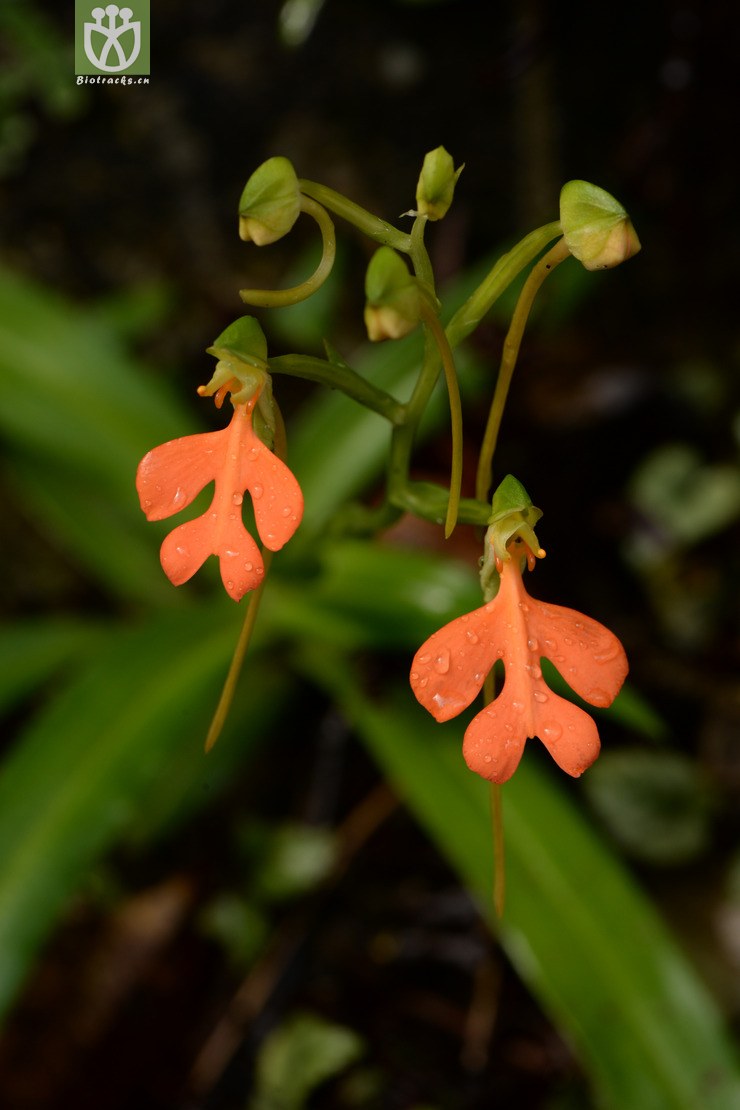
point(469, 315)
point(557, 254)
point(453, 390)
point(279, 298)
point(342, 377)
point(363, 220)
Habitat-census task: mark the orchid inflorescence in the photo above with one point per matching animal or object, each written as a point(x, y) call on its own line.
point(248, 455)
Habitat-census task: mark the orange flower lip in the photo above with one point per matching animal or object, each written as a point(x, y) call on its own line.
point(449, 670)
point(172, 475)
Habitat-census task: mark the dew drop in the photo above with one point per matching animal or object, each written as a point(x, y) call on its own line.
point(230, 585)
point(257, 492)
point(550, 644)
point(425, 657)
point(442, 662)
point(414, 675)
point(423, 682)
point(559, 658)
point(540, 696)
point(518, 706)
point(568, 640)
point(487, 758)
point(147, 503)
point(471, 637)
point(237, 498)
point(534, 670)
point(598, 697)
point(551, 731)
point(610, 652)
point(533, 645)
point(181, 550)
point(249, 567)
point(179, 496)
point(286, 511)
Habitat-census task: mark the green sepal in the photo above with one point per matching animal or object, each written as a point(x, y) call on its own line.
point(241, 350)
point(436, 185)
point(596, 227)
point(513, 517)
point(392, 307)
point(270, 203)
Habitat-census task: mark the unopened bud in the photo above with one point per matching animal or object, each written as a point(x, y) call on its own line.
point(436, 184)
point(597, 229)
point(392, 306)
point(270, 203)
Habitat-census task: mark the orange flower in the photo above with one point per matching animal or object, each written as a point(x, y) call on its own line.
point(171, 476)
point(449, 670)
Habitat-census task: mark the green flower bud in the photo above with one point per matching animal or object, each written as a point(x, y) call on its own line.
point(270, 203)
point(392, 306)
point(597, 230)
point(436, 184)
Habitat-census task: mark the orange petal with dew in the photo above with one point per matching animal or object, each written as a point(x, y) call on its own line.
point(449, 670)
point(172, 475)
point(276, 496)
point(188, 546)
point(589, 657)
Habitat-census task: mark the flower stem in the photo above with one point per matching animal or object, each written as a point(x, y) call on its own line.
point(340, 376)
point(512, 343)
point(453, 390)
point(469, 315)
point(370, 225)
point(279, 298)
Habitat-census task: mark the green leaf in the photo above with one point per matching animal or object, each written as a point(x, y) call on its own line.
point(77, 415)
point(578, 929)
point(298, 1057)
point(74, 782)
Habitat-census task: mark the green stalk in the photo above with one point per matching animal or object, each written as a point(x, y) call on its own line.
point(557, 254)
point(279, 298)
point(469, 315)
point(340, 376)
point(363, 220)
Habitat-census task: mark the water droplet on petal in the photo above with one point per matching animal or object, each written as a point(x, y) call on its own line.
point(286, 511)
point(181, 551)
point(237, 498)
point(471, 637)
point(487, 758)
point(517, 705)
point(533, 645)
point(442, 662)
point(179, 496)
point(425, 657)
point(534, 670)
point(568, 640)
point(540, 696)
point(257, 492)
point(550, 644)
point(610, 652)
point(598, 697)
point(230, 585)
point(248, 567)
point(423, 682)
point(551, 731)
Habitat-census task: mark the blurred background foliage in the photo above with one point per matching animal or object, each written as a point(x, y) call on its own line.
point(303, 917)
